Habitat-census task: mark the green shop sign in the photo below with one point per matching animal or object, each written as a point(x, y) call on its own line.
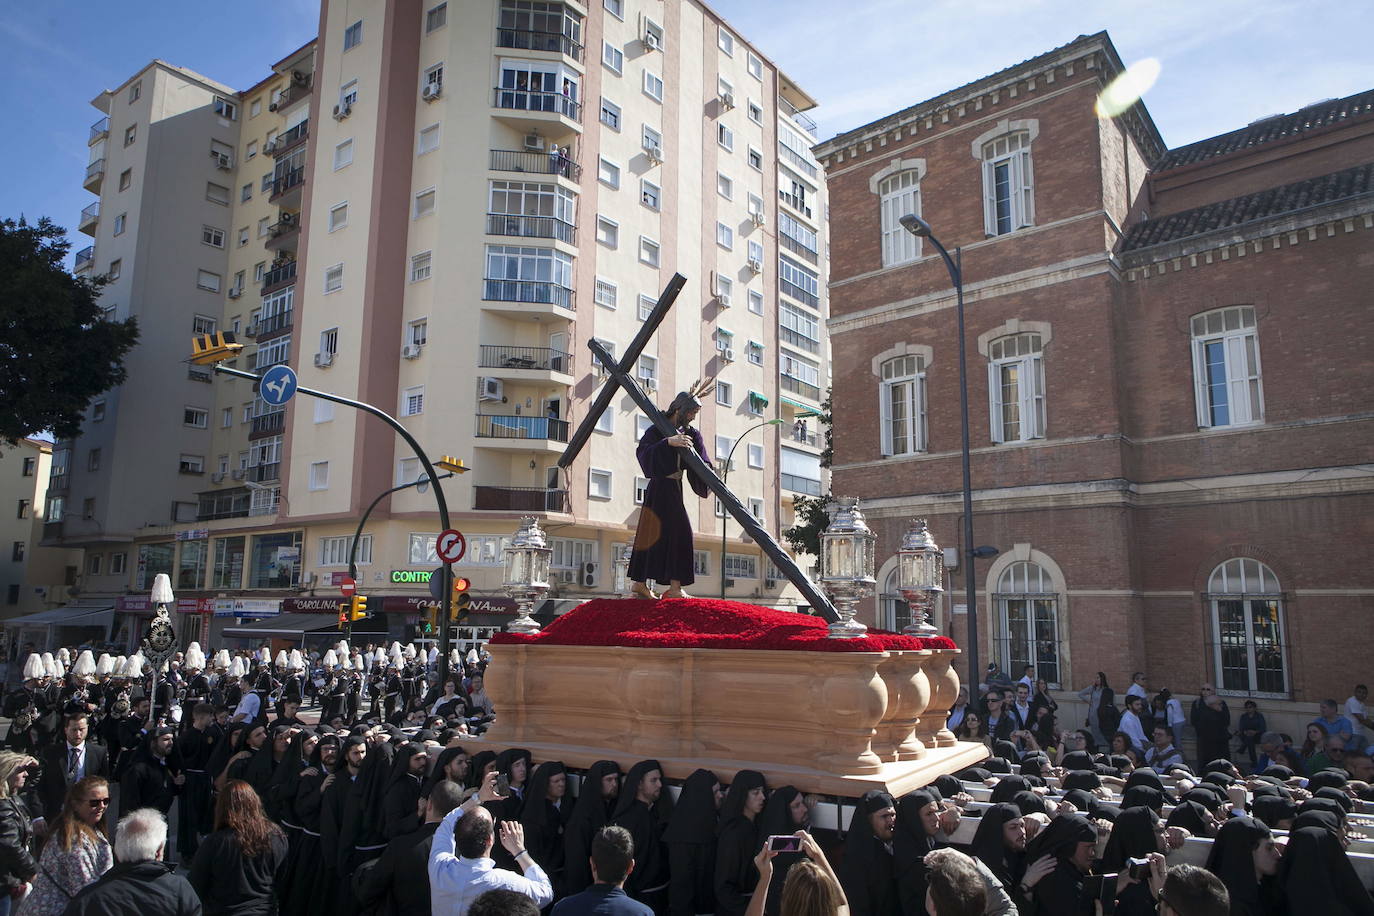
point(411, 576)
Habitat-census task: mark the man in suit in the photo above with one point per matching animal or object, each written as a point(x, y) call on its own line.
point(66, 761)
point(401, 875)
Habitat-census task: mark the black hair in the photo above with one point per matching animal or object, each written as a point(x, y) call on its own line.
point(613, 852)
point(501, 902)
point(472, 836)
point(1193, 891)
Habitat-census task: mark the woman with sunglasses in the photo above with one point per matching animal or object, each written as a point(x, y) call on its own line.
point(76, 852)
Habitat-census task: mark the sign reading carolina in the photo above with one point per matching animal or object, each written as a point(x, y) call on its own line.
point(414, 604)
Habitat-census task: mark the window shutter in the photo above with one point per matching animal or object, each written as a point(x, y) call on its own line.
point(994, 402)
point(1237, 382)
point(989, 202)
point(1024, 184)
point(885, 417)
point(1204, 416)
point(919, 408)
point(1032, 398)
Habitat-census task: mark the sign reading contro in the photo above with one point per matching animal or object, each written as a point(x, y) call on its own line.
point(411, 576)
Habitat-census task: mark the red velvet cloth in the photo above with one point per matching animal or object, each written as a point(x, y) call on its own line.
point(705, 623)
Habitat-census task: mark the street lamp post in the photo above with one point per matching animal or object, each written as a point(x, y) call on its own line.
point(725, 478)
point(921, 229)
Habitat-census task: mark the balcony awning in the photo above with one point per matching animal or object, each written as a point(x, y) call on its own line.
point(65, 617)
point(756, 396)
point(797, 404)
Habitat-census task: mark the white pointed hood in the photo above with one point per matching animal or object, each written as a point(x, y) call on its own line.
point(33, 667)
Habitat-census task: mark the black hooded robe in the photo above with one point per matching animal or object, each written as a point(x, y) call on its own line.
point(777, 820)
point(736, 845)
point(1232, 859)
point(691, 842)
point(589, 814)
point(648, 883)
point(910, 844)
point(401, 803)
point(868, 873)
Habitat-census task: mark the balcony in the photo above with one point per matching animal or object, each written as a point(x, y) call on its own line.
point(84, 259)
point(529, 40)
point(260, 473)
point(288, 141)
point(541, 297)
point(99, 131)
point(217, 504)
point(298, 90)
point(804, 485)
point(798, 248)
point(286, 188)
point(797, 386)
point(798, 118)
point(95, 174)
point(90, 217)
point(279, 278)
point(796, 292)
point(535, 227)
point(522, 433)
point(519, 499)
point(284, 234)
point(532, 111)
point(532, 364)
point(269, 423)
point(509, 160)
point(795, 202)
point(58, 483)
point(804, 436)
point(199, 375)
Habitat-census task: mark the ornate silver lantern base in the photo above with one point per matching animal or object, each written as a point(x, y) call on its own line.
point(921, 606)
point(845, 597)
point(524, 622)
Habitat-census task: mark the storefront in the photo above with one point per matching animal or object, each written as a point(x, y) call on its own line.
point(79, 625)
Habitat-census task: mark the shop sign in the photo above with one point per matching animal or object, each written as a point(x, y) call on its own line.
point(183, 605)
point(411, 576)
point(193, 534)
point(310, 606)
point(247, 607)
point(414, 604)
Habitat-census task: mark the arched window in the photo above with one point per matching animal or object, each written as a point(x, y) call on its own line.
point(902, 405)
point(1016, 388)
point(1028, 620)
point(1226, 368)
point(1247, 628)
point(1008, 195)
point(899, 195)
point(893, 611)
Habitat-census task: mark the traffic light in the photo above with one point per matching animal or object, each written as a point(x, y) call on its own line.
point(357, 607)
point(208, 349)
point(431, 614)
point(462, 601)
point(343, 614)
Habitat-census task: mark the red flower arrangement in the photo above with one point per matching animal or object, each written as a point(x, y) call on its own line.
point(705, 623)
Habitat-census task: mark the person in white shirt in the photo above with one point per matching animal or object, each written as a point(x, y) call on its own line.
point(460, 867)
point(1355, 710)
point(1130, 723)
point(1137, 688)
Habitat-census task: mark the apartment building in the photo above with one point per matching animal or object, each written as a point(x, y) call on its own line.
point(433, 209)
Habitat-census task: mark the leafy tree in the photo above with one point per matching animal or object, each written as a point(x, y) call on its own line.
point(812, 516)
point(56, 350)
point(825, 415)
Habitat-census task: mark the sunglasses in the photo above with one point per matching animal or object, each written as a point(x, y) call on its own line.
point(98, 802)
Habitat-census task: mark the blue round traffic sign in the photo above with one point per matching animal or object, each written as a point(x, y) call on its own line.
point(278, 385)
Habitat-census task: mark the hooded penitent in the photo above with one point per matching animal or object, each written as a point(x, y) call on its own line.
point(691, 842)
point(989, 845)
point(1317, 877)
point(868, 872)
point(591, 812)
point(737, 842)
point(645, 823)
point(1232, 859)
point(910, 844)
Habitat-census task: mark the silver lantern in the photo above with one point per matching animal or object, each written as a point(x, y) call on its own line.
point(526, 576)
point(920, 576)
point(847, 565)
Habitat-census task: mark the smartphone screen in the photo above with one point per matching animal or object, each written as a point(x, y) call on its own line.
point(784, 843)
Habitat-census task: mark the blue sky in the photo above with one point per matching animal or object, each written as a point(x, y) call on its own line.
point(1225, 62)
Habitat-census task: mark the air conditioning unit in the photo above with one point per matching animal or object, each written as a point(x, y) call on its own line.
point(654, 152)
point(770, 583)
point(222, 160)
point(238, 473)
point(567, 576)
point(431, 91)
point(755, 265)
point(411, 351)
point(724, 300)
point(727, 354)
point(342, 111)
point(651, 41)
point(324, 360)
point(287, 219)
point(235, 292)
point(648, 384)
point(489, 389)
point(756, 217)
point(299, 77)
point(727, 100)
point(588, 575)
point(275, 105)
point(533, 143)
point(217, 477)
point(269, 147)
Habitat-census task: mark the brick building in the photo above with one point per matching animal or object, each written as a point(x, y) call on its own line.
point(1169, 377)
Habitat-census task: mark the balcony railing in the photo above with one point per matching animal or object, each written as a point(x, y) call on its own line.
point(58, 483)
point(531, 100)
point(801, 120)
point(527, 40)
point(798, 160)
point(99, 130)
point(797, 386)
point(519, 499)
point(805, 436)
point(95, 173)
point(509, 160)
point(296, 178)
point(270, 323)
point(262, 472)
point(795, 339)
point(501, 426)
point(797, 247)
point(796, 203)
point(293, 93)
point(269, 422)
point(293, 138)
point(538, 227)
point(535, 291)
point(91, 213)
point(801, 295)
point(84, 258)
point(800, 484)
point(278, 276)
point(493, 357)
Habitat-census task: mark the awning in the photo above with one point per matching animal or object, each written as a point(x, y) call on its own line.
point(69, 616)
point(758, 397)
point(797, 404)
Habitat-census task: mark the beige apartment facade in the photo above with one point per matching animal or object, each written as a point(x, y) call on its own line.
point(461, 196)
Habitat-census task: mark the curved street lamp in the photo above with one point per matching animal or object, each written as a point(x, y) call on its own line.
point(725, 479)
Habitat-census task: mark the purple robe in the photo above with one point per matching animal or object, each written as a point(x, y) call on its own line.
point(663, 547)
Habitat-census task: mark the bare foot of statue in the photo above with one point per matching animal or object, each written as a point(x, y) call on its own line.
point(676, 592)
point(640, 590)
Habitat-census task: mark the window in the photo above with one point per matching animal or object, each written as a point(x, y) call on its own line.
point(211, 236)
point(516, 274)
point(24, 506)
point(413, 401)
point(755, 66)
point(756, 253)
point(255, 107)
point(420, 266)
point(418, 332)
point(755, 352)
point(191, 464)
point(30, 466)
point(135, 91)
point(1226, 368)
point(119, 223)
point(246, 193)
point(756, 302)
point(429, 140)
point(216, 193)
point(196, 417)
point(725, 41)
point(725, 186)
point(799, 282)
point(424, 202)
point(899, 195)
point(1028, 620)
point(1016, 388)
point(329, 342)
point(264, 226)
point(348, 93)
point(724, 287)
point(226, 417)
point(117, 268)
point(259, 271)
point(335, 551)
point(649, 194)
point(641, 487)
point(902, 405)
point(226, 109)
point(605, 423)
point(126, 178)
point(725, 393)
point(343, 153)
point(94, 563)
point(609, 347)
point(653, 35)
point(646, 305)
point(612, 57)
point(338, 216)
point(756, 508)
point(208, 281)
point(607, 232)
point(333, 278)
point(725, 236)
point(267, 181)
point(756, 112)
point(202, 324)
point(606, 293)
point(436, 18)
point(319, 475)
point(1008, 201)
point(755, 158)
point(353, 35)
point(615, 7)
point(610, 113)
point(648, 371)
point(651, 141)
point(598, 483)
point(324, 411)
point(251, 150)
point(97, 411)
point(740, 566)
point(648, 251)
point(723, 446)
point(653, 86)
point(1248, 646)
point(608, 173)
point(130, 134)
point(725, 137)
point(434, 76)
point(755, 455)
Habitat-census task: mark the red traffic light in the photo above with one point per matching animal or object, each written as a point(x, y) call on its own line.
point(460, 584)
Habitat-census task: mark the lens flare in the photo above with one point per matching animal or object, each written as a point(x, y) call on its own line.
point(1124, 91)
